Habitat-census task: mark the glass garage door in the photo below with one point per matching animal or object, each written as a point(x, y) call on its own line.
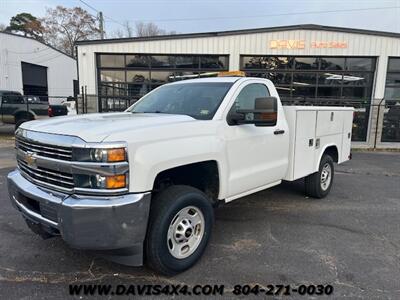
point(124, 78)
point(343, 81)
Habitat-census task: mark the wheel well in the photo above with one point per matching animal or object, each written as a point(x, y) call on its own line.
point(332, 152)
point(23, 115)
point(202, 175)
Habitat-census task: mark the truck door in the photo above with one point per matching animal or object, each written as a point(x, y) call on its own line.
point(257, 155)
point(11, 103)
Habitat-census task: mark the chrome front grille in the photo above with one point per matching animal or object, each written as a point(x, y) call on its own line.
point(45, 150)
point(45, 176)
point(41, 175)
point(47, 160)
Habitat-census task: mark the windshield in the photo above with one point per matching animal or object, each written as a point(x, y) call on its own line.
point(198, 100)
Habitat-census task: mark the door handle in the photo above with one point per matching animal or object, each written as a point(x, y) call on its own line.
point(279, 131)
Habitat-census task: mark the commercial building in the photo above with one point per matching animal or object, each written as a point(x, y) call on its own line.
point(31, 67)
point(309, 64)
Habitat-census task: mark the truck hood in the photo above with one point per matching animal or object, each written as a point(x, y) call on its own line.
point(97, 127)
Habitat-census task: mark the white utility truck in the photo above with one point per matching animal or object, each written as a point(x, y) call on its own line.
point(143, 183)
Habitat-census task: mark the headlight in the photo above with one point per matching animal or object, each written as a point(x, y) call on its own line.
point(97, 154)
point(108, 155)
point(102, 168)
point(108, 182)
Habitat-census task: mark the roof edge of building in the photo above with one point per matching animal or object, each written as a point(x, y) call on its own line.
point(43, 43)
point(242, 31)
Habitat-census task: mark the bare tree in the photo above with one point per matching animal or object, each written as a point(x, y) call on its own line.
point(116, 34)
point(128, 29)
point(2, 27)
point(141, 29)
point(65, 26)
point(149, 29)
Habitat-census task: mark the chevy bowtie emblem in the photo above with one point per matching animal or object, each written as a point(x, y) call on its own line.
point(30, 159)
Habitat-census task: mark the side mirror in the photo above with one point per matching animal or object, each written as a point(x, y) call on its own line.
point(236, 118)
point(264, 113)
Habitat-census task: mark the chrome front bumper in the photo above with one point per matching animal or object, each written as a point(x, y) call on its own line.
point(114, 224)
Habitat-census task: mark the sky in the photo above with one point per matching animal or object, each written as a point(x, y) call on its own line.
point(186, 16)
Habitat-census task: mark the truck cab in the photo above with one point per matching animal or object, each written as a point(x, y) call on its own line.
point(145, 181)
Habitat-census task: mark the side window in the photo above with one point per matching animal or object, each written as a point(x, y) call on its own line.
point(6, 98)
point(18, 98)
point(248, 95)
point(13, 98)
point(247, 99)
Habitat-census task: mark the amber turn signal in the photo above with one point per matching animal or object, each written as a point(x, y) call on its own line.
point(115, 182)
point(115, 155)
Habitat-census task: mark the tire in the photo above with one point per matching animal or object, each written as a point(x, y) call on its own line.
point(318, 184)
point(164, 237)
point(19, 122)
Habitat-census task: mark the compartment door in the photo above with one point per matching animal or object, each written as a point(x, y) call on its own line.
point(346, 136)
point(329, 122)
point(304, 150)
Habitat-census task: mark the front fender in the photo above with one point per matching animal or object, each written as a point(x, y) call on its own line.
point(152, 158)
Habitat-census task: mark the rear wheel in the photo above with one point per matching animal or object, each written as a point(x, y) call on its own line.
point(180, 224)
point(318, 185)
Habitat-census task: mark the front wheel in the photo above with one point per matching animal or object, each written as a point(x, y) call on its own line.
point(19, 123)
point(180, 224)
point(318, 185)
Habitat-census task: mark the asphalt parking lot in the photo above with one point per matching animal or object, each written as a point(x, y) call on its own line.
point(350, 240)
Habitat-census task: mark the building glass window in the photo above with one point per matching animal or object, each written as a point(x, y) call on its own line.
point(306, 63)
point(213, 62)
point(111, 61)
point(124, 78)
point(328, 92)
point(137, 61)
point(393, 80)
point(391, 116)
point(162, 61)
point(304, 79)
point(112, 76)
point(359, 64)
point(138, 83)
point(161, 77)
point(302, 91)
point(345, 81)
point(187, 62)
point(329, 78)
point(267, 62)
point(332, 63)
point(394, 64)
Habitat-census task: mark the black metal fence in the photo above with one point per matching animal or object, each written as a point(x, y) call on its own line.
point(382, 117)
point(391, 121)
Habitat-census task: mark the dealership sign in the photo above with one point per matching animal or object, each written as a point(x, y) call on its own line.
point(302, 44)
